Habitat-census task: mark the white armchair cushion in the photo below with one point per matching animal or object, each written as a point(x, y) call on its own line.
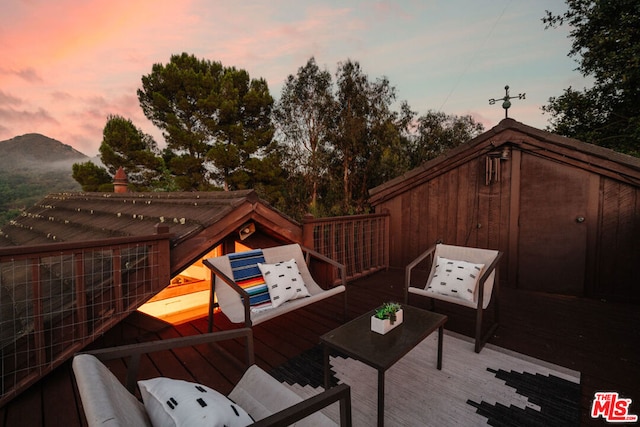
point(284, 281)
point(455, 278)
point(176, 403)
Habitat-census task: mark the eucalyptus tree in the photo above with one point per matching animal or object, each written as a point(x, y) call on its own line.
point(366, 128)
point(214, 119)
point(303, 116)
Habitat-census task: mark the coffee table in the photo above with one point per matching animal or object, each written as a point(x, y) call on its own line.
point(356, 340)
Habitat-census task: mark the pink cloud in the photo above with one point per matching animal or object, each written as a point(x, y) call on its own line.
point(8, 99)
point(57, 30)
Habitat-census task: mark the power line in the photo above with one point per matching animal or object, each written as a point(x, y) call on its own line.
point(455, 86)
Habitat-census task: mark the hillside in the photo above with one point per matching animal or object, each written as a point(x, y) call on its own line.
point(32, 166)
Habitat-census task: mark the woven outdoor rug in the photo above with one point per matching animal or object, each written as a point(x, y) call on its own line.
point(496, 387)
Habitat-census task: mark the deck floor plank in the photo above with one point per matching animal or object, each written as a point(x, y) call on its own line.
point(597, 338)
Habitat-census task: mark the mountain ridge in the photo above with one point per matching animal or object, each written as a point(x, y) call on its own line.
point(34, 149)
point(32, 166)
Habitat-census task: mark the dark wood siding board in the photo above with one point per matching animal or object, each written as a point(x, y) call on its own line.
point(505, 213)
point(395, 208)
point(418, 221)
point(514, 216)
point(436, 212)
point(619, 254)
point(484, 214)
point(496, 221)
point(428, 221)
point(408, 215)
point(451, 208)
point(611, 232)
point(475, 187)
point(593, 215)
point(461, 213)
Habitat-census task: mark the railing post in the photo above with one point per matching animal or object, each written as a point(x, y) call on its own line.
point(162, 262)
point(308, 232)
point(386, 236)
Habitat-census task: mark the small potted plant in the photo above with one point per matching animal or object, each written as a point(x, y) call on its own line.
point(386, 317)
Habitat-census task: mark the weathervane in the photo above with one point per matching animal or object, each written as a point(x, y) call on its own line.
point(506, 104)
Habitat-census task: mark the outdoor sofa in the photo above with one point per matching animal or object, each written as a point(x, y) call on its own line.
point(236, 303)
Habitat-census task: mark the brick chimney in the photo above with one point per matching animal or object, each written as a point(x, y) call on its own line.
point(120, 182)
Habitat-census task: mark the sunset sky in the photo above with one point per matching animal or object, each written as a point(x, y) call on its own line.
point(67, 64)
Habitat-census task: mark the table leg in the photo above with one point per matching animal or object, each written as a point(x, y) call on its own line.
point(380, 398)
point(326, 367)
point(440, 334)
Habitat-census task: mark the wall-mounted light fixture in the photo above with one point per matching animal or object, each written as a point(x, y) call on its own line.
point(247, 230)
point(504, 155)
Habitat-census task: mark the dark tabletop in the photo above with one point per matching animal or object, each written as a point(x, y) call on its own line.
point(356, 339)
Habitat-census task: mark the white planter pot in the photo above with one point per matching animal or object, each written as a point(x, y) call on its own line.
point(382, 326)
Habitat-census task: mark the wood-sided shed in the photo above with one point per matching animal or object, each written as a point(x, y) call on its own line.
point(565, 213)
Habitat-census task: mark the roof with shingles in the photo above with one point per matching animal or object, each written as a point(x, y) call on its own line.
point(84, 216)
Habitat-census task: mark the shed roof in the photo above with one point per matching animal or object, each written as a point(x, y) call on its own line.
point(197, 220)
point(512, 133)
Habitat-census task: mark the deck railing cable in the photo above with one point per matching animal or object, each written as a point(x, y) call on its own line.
point(360, 242)
point(55, 299)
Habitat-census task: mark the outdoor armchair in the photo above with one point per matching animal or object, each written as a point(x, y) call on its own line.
point(466, 276)
point(107, 402)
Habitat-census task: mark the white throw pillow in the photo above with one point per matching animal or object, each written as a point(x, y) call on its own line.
point(284, 281)
point(176, 403)
point(455, 278)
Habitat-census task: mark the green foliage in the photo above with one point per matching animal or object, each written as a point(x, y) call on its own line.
point(340, 139)
point(21, 190)
point(306, 103)
point(388, 310)
point(9, 215)
point(124, 145)
point(437, 133)
point(335, 140)
point(92, 177)
point(214, 119)
point(606, 44)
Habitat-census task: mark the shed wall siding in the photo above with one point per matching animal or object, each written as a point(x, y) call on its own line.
point(618, 244)
point(457, 207)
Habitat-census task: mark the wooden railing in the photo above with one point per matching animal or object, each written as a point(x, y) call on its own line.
point(360, 242)
point(56, 299)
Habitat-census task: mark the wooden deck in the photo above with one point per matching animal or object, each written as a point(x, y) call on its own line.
point(599, 339)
